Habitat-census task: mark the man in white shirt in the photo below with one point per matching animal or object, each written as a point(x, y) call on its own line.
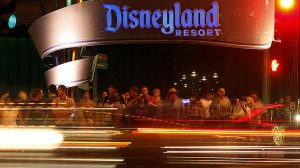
point(220, 108)
point(63, 117)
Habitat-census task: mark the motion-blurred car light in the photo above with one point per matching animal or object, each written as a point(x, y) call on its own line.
point(21, 138)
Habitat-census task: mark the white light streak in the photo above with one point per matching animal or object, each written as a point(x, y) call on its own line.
point(20, 138)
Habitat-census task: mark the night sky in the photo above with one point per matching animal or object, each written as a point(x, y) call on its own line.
point(160, 65)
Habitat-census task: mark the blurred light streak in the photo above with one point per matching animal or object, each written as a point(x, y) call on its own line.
point(16, 138)
point(234, 147)
point(93, 129)
point(90, 131)
point(55, 165)
point(231, 152)
point(73, 55)
point(212, 132)
point(86, 109)
point(234, 159)
point(88, 147)
point(257, 112)
point(102, 144)
point(65, 159)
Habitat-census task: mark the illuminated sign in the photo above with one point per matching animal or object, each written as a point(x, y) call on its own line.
point(274, 65)
point(229, 23)
point(196, 22)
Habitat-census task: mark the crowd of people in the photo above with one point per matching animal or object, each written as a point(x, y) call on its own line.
point(131, 107)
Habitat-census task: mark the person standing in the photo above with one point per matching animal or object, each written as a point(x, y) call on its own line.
point(205, 103)
point(4, 96)
point(20, 101)
point(52, 94)
point(112, 92)
point(257, 102)
point(36, 117)
point(112, 117)
point(155, 99)
point(8, 117)
point(83, 116)
point(145, 94)
point(193, 110)
point(86, 100)
point(133, 92)
point(125, 97)
point(171, 108)
point(239, 109)
point(63, 117)
point(101, 99)
point(52, 91)
point(220, 108)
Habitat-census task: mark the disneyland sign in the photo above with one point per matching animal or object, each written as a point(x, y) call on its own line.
point(188, 22)
point(245, 24)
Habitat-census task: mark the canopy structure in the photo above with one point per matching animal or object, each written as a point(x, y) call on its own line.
point(243, 23)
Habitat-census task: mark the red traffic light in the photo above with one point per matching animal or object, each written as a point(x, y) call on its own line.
point(274, 65)
point(286, 4)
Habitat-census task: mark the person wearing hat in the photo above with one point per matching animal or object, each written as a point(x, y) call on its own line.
point(172, 107)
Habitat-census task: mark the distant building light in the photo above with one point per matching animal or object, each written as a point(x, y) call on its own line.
point(215, 75)
point(204, 78)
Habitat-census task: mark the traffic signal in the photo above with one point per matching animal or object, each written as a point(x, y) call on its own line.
point(286, 16)
point(7, 18)
point(274, 65)
point(286, 4)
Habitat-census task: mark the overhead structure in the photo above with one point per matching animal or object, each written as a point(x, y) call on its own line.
point(242, 24)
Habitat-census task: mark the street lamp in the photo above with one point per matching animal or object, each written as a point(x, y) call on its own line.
point(215, 75)
point(204, 78)
point(193, 74)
